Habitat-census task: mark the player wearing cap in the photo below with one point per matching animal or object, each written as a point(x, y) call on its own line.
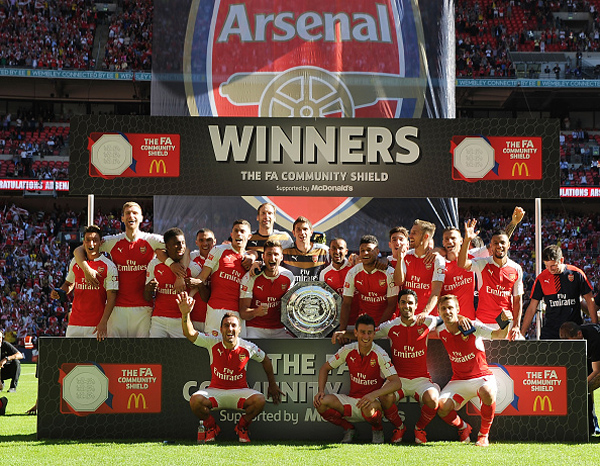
point(373, 380)
point(228, 388)
point(471, 376)
point(92, 304)
point(260, 295)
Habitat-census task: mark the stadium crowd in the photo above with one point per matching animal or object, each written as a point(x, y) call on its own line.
point(487, 30)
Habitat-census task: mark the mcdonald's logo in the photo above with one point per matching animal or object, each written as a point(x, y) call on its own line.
point(542, 400)
point(160, 163)
point(520, 166)
point(140, 399)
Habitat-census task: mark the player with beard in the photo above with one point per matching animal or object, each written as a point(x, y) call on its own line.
point(500, 280)
point(372, 378)
point(205, 240)
point(160, 284)
point(408, 341)
point(415, 272)
point(373, 288)
point(471, 375)
point(260, 295)
point(225, 269)
point(461, 282)
point(228, 388)
point(335, 273)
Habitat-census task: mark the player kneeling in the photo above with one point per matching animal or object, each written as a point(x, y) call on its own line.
point(471, 375)
point(228, 389)
point(369, 366)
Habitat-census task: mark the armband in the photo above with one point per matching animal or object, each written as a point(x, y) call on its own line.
point(169, 262)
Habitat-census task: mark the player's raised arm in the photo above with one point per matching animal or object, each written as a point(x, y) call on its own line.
point(80, 258)
point(470, 233)
point(186, 304)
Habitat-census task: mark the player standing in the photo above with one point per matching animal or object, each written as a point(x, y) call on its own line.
point(471, 375)
point(372, 376)
point(266, 215)
point(399, 244)
point(92, 304)
point(225, 269)
point(305, 259)
point(373, 288)
point(228, 389)
point(205, 240)
point(499, 279)
point(260, 295)
point(160, 282)
point(561, 286)
point(416, 273)
point(131, 252)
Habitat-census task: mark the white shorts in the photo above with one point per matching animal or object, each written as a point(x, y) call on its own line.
point(349, 404)
point(79, 331)
point(166, 327)
point(461, 391)
point(416, 387)
point(198, 325)
point(132, 322)
point(257, 332)
point(227, 399)
point(212, 325)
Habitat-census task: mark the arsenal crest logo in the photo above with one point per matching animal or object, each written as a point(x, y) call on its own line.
point(101, 269)
point(309, 58)
point(372, 362)
point(382, 282)
point(143, 249)
point(571, 277)
point(242, 357)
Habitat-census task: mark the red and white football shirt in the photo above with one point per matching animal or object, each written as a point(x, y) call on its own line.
point(132, 259)
point(228, 366)
point(367, 373)
point(89, 301)
point(409, 345)
point(227, 272)
point(466, 352)
point(497, 285)
point(336, 279)
point(165, 304)
point(270, 290)
point(372, 289)
point(419, 276)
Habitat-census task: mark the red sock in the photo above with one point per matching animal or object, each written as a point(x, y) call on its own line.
point(244, 422)
point(487, 416)
point(210, 422)
point(393, 416)
point(427, 414)
point(453, 419)
point(374, 420)
point(335, 417)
